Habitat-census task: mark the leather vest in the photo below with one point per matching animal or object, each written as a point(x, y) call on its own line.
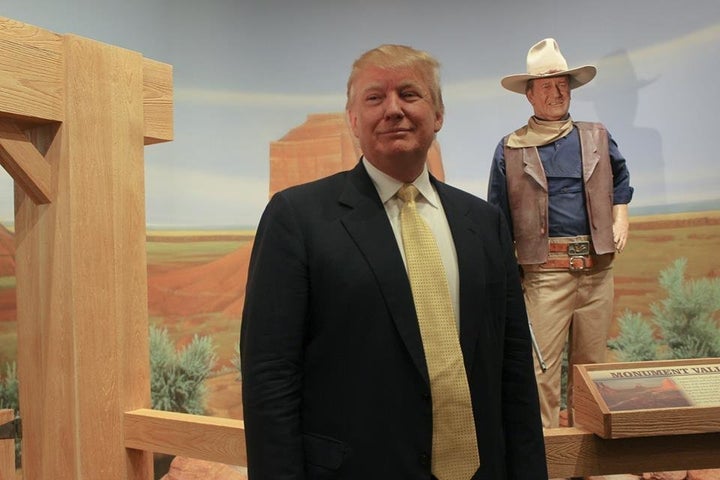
point(528, 195)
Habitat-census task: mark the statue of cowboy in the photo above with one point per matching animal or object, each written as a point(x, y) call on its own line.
point(564, 188)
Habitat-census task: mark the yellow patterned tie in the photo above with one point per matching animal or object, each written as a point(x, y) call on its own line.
point(454, 449)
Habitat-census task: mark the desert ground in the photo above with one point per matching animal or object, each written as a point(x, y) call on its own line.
point(196, 282)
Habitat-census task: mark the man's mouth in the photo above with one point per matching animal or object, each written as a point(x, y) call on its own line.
point(395, 131)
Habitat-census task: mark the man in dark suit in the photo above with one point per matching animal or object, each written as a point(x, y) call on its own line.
point(338, 379)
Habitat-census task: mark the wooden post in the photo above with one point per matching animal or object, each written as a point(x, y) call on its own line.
point(83, 354)
point(7, 449)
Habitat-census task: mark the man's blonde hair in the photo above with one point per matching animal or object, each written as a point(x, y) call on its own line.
point(400, 56)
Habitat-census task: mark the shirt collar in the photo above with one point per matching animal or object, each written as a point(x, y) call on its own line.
point(387, 186)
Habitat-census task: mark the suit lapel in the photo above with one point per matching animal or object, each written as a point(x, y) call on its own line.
point(368, 225)
point(469, 249)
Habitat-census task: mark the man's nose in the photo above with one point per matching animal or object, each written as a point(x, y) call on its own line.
point(393, 107)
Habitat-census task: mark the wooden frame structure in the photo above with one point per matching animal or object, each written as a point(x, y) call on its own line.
point(571, 452)
point(74, 117)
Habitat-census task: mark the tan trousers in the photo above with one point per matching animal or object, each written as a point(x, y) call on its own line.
point(573, 307)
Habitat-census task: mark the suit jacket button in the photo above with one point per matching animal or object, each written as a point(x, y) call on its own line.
point(424, 459)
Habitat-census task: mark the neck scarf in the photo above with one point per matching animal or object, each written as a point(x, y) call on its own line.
point(539, 132)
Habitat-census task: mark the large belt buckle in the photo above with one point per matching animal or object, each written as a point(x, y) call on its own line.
point(578, 249)
point(577, 263)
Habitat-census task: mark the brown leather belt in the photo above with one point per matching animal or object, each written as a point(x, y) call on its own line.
point(579, 248)
point(574, 263)
point(567, 253)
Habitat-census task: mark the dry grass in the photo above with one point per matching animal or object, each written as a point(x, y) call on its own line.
point(655, 243)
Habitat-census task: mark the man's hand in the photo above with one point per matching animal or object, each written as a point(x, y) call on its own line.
point(621, 226)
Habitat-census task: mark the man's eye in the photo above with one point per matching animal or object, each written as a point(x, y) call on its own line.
point(410, 94)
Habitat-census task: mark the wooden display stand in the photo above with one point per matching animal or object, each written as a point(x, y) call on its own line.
point(643, 399)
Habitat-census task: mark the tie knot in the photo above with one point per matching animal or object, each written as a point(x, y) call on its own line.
point(408, 193)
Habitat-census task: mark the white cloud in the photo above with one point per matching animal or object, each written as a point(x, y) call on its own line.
point(478, 89)
point(234, 98)
point(191, 197)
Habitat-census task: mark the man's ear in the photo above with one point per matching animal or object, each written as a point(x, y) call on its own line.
point(529, 96)
point(439, 118)
point(352, 121)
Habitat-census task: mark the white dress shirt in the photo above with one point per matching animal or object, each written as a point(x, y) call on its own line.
point(431, 209)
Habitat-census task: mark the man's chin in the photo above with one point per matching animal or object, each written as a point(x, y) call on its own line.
point(403, 150)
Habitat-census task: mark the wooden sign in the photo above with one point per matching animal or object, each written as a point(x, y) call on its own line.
point(640, 399)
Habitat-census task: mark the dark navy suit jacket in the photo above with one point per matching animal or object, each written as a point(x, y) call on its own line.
point(335, 384)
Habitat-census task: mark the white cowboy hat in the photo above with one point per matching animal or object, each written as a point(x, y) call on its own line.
point(545, 60)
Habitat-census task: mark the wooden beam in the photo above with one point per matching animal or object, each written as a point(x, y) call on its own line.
point(32, 75)
point(7, 448)
point(83, 356)
point(574, 452)
point(31, 72)
point(571, 452)
point(158, 101)
point(213, 439)
point(24, 163)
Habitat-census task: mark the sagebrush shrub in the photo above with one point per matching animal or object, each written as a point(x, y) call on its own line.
point(177, 377)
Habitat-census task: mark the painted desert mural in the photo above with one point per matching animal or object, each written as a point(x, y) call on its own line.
point(196, 282)
point(196, 278)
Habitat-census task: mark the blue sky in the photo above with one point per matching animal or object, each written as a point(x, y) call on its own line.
point(247, 72)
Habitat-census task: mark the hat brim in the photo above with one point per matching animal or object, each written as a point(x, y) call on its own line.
point(578, 77)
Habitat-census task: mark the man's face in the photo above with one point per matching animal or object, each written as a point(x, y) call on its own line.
point(550, 97)
point(392, 114)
